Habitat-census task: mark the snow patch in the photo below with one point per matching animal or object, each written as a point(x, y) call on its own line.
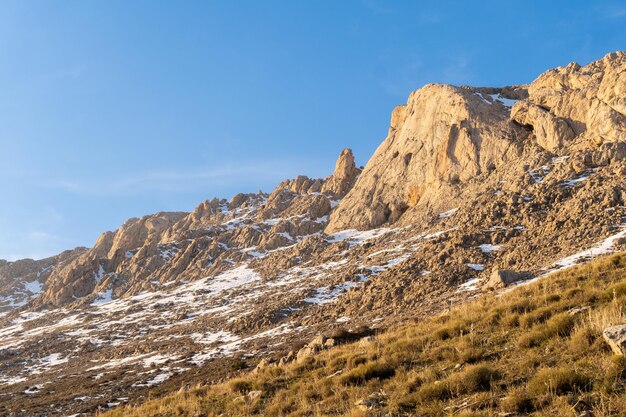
point(448, 213)
point(488, 247)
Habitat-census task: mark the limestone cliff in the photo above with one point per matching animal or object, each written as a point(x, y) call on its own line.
point(443, 137)
point(447, 137)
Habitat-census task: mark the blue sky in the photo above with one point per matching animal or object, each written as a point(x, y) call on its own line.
point(114, 109)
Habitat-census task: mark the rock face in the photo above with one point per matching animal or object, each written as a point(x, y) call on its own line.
point(615, 336)
point(446, 137)
point(443, 137)
point(23, 280)
point(470, 185)
point(577, 104)
point(176, 246)
point(344, 176)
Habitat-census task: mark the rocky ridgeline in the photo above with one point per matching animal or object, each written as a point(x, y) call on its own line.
point(472, 190)
point(184, 246)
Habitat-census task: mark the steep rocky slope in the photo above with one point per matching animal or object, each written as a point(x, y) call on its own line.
point(539, 350)
point(446, 136)
point(23, 280)
point(471, 189)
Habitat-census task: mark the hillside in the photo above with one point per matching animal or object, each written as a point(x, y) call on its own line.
point(535, 350)
point(473, 190)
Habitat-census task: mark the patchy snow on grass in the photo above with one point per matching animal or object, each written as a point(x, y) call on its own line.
point(33, 390)
point(233, 278)
point(437, 234)
point(210, 338)
point(536, 177)
point(11, 380)
point(327, 295)
point(321, 220)
point(392, 262)
point(483, 98)
point(162, 377)
point(46, 362)
point(113, 363)
point(97, 276)
point(560, 159)
point(167, 254)
point(602, 248)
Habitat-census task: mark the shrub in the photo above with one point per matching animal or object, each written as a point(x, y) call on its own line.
point(552, 298)
point(355, 361)
point(511, 320)
point(455, 328)
point(240, 386)
point(533, 338)
point(473, 378)
point(559, 381)
point(538, 316)
point(615, 375)
point(434, 391)
point(561, 325)
point(471, 354)
point(238, 365)
point(522, 306)
point(366, 372)
point(518, 401)
point(616, 290)
point(581, 340)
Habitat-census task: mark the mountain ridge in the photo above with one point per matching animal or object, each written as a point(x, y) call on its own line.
point(471, 183)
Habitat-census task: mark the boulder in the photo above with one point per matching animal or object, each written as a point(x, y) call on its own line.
point(615, 337)
point(500, 278)
point(373, 401)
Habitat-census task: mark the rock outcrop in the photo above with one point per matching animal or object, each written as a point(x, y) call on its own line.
point(502, 277)
point(615, 337)
point(344, 176)
point(25, 279)
point(569, 104)
point(447, 137)
point(441, 139)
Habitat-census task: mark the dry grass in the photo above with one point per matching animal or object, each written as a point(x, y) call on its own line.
point(523, 353)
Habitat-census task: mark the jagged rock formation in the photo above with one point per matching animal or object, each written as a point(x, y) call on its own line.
point(23, 280)
point(470, 184)
point(446, 136)
point(344, 176)
point(586, 105)
point(443, 137)
point(177, 246)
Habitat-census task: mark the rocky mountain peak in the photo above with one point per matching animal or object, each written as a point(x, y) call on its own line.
point(443, 137)
point(344, 176)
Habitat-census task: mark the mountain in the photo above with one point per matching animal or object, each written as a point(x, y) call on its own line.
point(474, 189)
point(537, 350)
